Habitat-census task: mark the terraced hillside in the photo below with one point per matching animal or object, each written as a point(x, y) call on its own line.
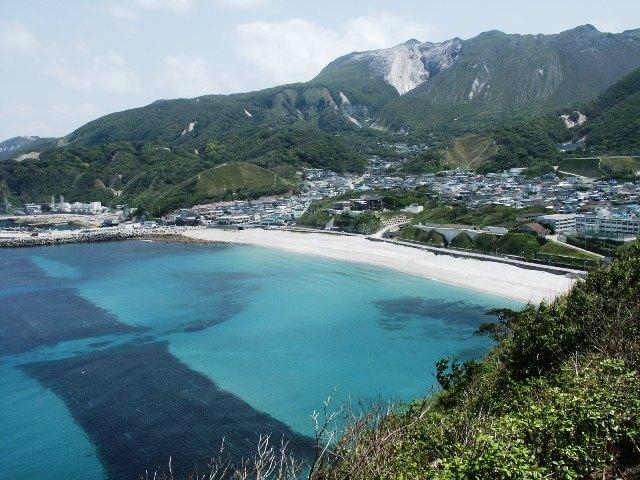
point(239, 178)
point(470, 151)
point(597, 167)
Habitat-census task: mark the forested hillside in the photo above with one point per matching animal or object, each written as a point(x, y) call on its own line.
point(613, 124)
point(491, 102)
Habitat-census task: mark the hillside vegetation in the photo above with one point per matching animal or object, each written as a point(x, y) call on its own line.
point(238, 177)
point(151, 177)
point(494, 104)
point(558, 397)
point(470, 152)
point(616, 167)
point(614, 118)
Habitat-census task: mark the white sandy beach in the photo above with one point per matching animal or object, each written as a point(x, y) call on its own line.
point(507, 281)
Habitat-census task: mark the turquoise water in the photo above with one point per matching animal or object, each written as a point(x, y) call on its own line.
point(119, 355)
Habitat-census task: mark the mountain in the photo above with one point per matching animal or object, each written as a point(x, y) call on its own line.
point(608, 125)
point(17, 145)
point(412, 86)
point(457, 84)
point(495, 68)
point(496, 85)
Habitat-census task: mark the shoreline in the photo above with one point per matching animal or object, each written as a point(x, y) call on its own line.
point(504, 280)
point(21, 239)
point(521, 283)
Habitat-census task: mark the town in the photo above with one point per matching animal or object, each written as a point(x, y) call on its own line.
point(567, 206)
point(570, 205)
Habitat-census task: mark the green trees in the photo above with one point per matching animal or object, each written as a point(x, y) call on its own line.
point(417, 235)
point(366, 222)
point(614, 118)
point(463, 241)
point(521, 244)
point(485, 242)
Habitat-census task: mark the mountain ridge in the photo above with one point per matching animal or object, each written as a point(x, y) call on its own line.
point(470, 53)
point(348, 112)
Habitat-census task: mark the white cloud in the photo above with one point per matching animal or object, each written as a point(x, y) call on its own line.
point(121, 11)
point(241, 3)
point(16, 37)
point(174, 5)
point(190, 76)
point(21, 110)
point(45, 120)
point(131, 9)
point(185, 75)
point(107, 72)
point(383, 31)
point(82, 111)
point(297, 49)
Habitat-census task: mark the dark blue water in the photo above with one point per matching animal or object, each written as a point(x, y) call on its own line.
point(115, 356)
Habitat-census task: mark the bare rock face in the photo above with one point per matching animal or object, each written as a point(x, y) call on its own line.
point(410, 64)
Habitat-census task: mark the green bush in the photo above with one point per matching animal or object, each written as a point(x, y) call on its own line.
point(521, 244)
point(463, 241)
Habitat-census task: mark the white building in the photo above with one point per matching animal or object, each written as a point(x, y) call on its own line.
point(608, 226)
point(413, 208)
point(92, 208)
point(563, 224)
point(32, 209)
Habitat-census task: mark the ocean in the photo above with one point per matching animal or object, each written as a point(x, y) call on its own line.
point(116, 356)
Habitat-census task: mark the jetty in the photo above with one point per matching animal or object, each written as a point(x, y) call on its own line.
point(17, 239)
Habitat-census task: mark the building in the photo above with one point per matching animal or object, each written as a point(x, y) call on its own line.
point(616, 227)
point(534, 228)
point(367, 202)
point(561, 224)
point(91, 208)
point(413, 208)
point(32, 209)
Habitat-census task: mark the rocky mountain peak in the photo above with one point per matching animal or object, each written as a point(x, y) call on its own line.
point(412, 63)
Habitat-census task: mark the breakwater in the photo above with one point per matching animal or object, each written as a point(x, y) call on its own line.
point(97, 235)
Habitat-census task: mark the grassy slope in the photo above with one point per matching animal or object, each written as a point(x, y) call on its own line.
point(470, 151)
point(621, 164)
point(552, 248)
point(595, 167)
point(237, 176)
point(586, 167)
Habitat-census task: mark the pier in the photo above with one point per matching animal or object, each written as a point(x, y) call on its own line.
point(14, 239)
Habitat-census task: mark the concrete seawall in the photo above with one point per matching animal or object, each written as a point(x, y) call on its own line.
point(9, 240)
point(40, 240)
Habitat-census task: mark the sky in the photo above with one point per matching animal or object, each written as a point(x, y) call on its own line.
point(66, 62)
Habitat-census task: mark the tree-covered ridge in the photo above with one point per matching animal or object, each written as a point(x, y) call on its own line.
point(151, 177)
point(142, 155)
point(144, 173)
point(557, 397)
point(612, 128)
point(614, 118)
point(13, 147)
